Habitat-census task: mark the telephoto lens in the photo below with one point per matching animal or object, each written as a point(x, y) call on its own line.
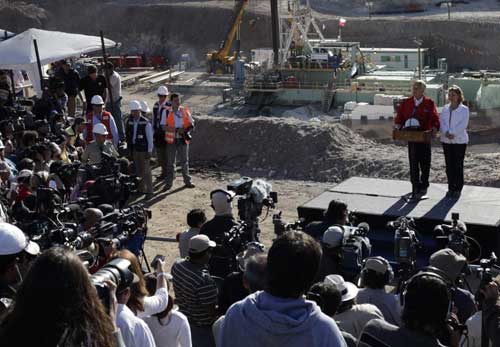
point(116, 271)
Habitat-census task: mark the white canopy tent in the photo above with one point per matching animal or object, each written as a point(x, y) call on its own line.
point(4, 34)
point(18, 52)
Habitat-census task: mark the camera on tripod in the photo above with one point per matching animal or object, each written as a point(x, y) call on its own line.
point(453, 236)
point(405, 241)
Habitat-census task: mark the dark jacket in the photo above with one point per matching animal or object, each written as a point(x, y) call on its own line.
point(141, 140)
point(491, 320)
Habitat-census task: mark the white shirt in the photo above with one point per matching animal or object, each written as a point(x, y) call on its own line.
point(473, 331)
point(115, 81)
point(154, 304)
point(184, 238)
point(455, 122)
point(354, 320)
point(149, 134)
point(135, 331)
point(387, 303)
point(418, 101)
point(173, 331)
point(179, 123)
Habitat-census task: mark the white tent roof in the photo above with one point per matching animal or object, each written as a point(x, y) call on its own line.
point(5, 34)
point(18, 52)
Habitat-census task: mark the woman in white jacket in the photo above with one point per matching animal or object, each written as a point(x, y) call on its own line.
point(454, 120)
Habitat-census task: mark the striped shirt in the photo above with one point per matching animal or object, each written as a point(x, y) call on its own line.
point(195, 291)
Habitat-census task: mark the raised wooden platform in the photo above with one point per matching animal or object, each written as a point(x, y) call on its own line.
point(378, 201)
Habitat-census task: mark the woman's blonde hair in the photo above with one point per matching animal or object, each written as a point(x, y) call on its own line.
point(458, 90)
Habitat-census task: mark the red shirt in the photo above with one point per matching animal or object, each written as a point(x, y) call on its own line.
point(426, 113)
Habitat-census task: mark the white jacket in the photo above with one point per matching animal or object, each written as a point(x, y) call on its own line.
point(455, 122)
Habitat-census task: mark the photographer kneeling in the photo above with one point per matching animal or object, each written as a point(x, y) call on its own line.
point(57, 305)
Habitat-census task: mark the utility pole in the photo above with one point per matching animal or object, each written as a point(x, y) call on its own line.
point(369, 4)
point(419, 44)
point(448, 4)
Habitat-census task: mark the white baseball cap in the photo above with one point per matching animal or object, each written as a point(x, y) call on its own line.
point(13, 241)
point(144, 107)
point(200, 243)
point(100, 129)
point(348, 290)
point(134, 105)
point(333, 237)
point(162, 90)
point(97, 100)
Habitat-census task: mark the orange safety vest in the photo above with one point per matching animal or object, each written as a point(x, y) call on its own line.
point(170, 132)
point(105, 117)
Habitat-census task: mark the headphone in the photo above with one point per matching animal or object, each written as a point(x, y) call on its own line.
point(430, 271)
point(229, 195)
point(389, 273)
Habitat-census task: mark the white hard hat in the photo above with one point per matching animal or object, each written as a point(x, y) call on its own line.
point(100, 129)
point(134, 105)
point(162, 90)
point(412, 123)
point(333, 237)
point(97, 100)
point(13, 241)
point(144, 107)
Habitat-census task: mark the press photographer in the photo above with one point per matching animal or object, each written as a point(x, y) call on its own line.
point(63, 313)
point(230, 236)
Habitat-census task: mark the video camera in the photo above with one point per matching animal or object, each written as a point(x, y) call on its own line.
point(356, 247)
point(453, 236)
point(487, 270)
point(124, 228)
point(406, 241)
point(252, 197)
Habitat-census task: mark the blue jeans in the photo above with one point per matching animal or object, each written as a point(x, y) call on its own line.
point(117, 115)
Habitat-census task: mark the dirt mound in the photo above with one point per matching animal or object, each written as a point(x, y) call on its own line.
point(291, 149)
point(17, 16)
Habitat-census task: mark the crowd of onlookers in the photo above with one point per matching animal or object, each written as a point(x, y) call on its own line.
point(293, 294)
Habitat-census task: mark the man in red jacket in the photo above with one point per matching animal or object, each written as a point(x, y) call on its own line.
point(418, 112)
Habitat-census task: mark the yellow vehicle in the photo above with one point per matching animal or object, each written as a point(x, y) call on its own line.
point(220, 61)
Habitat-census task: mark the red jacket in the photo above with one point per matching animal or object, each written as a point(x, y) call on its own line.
point(426, 113)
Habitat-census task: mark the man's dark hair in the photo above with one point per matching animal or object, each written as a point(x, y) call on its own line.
point(110, 66)
point(198, 256)
point(327, 296)
point(26, 163)
point(173, 96)
point(196, 217)
point(335, 211)
point(292, 264)
point(6, 261)
point(426, 303)
point(29, 138)
point(91, 69)
point(256, 272)
point(374, 280)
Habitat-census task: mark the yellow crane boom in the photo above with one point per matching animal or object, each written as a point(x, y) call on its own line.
point(220, 61)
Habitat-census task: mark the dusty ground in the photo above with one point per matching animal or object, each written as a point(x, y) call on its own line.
point(170, 209)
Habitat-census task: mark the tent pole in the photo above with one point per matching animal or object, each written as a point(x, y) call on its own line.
point(38, 63)
point(106, 73)
point(13, 85)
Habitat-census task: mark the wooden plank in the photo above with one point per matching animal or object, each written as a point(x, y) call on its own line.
point(145, 79)
point(412, 136)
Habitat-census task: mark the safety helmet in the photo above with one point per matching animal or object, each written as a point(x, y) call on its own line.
point(100, 129)
point(144, 107)
point(97, 100)
point(134, 105)
point(162, 90)
point(412, 123)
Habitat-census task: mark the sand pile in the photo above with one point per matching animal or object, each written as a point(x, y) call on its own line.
point(287, 148)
